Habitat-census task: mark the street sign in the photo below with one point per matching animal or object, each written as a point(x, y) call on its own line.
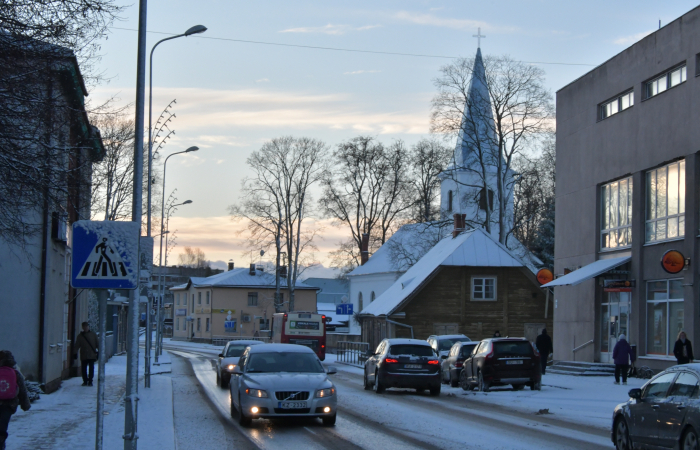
point(344, 308)
point(105, 255)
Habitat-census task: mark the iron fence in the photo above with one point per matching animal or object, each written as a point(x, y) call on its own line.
point(222, 340)
point(354, 353)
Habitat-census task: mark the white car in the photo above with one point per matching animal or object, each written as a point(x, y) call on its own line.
point(228, 359)
point(443, 343)
point(282, 380)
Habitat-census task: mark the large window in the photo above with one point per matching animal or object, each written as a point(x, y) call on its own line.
point(665, 209)
point(616, 214)
point(664, 315)
point(616, 105)
point(668, 80)
point(484, 288)
point(252, 299)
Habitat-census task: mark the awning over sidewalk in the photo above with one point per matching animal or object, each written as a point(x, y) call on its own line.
point(588, 272)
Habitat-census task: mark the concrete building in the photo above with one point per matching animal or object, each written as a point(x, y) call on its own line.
point(626, 195)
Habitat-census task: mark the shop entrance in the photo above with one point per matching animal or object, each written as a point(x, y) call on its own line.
point(614, 320)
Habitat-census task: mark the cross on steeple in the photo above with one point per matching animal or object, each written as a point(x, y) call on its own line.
point(478, 35)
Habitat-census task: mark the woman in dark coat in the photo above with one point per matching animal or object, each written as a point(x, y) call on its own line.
point(622, 356)
point(9, 406)
point(683, 350)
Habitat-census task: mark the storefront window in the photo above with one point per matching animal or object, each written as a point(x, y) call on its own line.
point(664, 315)
point(665, 209)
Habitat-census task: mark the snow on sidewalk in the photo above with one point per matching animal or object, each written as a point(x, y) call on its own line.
point(66, 418)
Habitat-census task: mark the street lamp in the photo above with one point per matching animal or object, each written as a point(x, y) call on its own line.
point(160, 260)
point(192, 30)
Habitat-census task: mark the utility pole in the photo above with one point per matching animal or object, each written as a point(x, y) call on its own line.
point(278, 304)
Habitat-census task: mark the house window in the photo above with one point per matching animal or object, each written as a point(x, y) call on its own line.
point(252, 299)
point(177, 298)
point(192, 302)
point(199, 298)
point(177, 323)
point(665, 208)
point(207, 324)
point(617, 104)
point(372, 297)
point(484, 288)
point(208, 297)
point(664, 315)
point(616, 214)
point(184, 299)
point(668, 80)
point(360, 303)
point(449, 201)
point(199, 324)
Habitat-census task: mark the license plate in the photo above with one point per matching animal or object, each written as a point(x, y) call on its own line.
point(519, 361)
point(413, 366)
point(291, 405)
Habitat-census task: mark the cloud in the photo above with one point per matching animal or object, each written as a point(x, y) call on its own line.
point(629, 40)
point(329, 29)
point(220, 161)
point(460, 24)
point(357, 72)
point(262, 80)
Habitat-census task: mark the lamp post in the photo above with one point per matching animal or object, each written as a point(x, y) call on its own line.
point(193, 30)
point(160, 260)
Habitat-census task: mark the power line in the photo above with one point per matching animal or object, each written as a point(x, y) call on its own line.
point(352, 50)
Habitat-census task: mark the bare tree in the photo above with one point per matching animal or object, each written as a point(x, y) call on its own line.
point(428, 159)
point(193, 257)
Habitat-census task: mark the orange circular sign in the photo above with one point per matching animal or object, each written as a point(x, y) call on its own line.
point(673, 261)
point(544, 276)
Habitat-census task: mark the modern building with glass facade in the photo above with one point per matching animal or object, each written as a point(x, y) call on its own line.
point(628, 136)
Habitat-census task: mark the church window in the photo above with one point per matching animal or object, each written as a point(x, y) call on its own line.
point(615, 105)
point(482, 199)
point(372, 297)
point(483, 288)
point(359, 301)
point(449, 201)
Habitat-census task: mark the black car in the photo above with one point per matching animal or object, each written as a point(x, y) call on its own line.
point(452, 362)
point(502, 361)
point(664, 413)
point(403, 363)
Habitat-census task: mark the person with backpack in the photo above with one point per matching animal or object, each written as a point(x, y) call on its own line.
point(87, 343)
point(13, 393)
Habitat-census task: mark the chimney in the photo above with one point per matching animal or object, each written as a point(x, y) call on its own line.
point(460, 224)
point(364, 249)
point(230, 265)
point(252, 270)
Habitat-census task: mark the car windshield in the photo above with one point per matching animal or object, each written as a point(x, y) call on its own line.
point(414, 350)
point(512, 348)
point(284, 362)
point(235, 350)
point(446, 344)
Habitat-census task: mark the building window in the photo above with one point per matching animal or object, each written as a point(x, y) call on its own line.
point(449, 201)
point(372, 297)
point(207, 324)
point(614, 106)
point(199, 298)
point(665, 208)
point(177, 298)
point(177, 324)
point(616, 199)
point(208, 297)
point(668, 80)
point(484, 288)
point(192, 302)
point(199, 324)
point(360, 303)
point(482, 199)
point(184, 299)
point(664, 315)
point(252, 299)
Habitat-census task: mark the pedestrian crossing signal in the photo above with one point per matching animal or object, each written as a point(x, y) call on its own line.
point(103, 263)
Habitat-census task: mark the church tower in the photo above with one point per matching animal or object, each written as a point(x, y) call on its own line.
point(470, 183)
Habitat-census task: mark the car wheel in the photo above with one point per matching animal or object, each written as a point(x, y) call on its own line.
point(378, 387)
point(518, 387)
point(690, 440)
point(536, 386)
point(435, 391)
point(622, 435)
point(329, 421)
point(483, 385)
point(365, 381)
point(463, 383)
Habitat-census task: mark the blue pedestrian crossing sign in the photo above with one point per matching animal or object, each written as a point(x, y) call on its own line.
point(105, 255)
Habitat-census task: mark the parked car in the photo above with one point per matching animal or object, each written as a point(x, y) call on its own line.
point(664, 413)
point(282, 380)
point(452, 362)
point(403, 363)
point(502, 361)
point(228, 359)
point(443, 343)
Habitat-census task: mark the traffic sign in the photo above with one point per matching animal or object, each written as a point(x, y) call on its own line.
point(105, 255)
point(344, 308)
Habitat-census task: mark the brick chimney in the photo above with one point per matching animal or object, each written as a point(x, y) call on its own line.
point(364, 252)
point(460, 221)
point(230, 265)
point(252, 270)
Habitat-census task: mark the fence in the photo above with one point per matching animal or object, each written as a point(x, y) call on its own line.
point(354, 353)
point(222, 340)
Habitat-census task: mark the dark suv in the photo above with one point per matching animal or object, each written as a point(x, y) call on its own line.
point(403, 363)
point(502, 361)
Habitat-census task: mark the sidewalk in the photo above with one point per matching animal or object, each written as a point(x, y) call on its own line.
point(66, 418)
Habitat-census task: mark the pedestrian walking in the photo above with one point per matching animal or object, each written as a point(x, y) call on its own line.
point(544, 347)
point(497, 333)
point(683, 350)
point(13, 393)
point(87, 343)
point(622, 356)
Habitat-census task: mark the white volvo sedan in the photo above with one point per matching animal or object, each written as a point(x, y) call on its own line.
point(282, 380)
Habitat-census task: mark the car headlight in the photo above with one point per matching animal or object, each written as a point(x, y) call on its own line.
point(259, 393)
point(322, 393)
point(230, 366)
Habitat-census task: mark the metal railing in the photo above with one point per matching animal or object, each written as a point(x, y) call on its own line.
point(354, 353)
point(222, 340)
point(582, 345)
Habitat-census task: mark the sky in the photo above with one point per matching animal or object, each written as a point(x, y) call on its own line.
point(252, 77)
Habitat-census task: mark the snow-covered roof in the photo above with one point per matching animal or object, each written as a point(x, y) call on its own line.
point(474, 248)
point(328, 285)
point(240, 278)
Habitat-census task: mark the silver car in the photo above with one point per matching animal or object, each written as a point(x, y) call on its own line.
point(228, 359)
point(282, 380)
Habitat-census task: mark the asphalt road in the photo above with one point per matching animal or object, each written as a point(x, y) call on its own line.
point(398, 419)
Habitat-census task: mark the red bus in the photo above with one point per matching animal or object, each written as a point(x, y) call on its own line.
point(301, 328)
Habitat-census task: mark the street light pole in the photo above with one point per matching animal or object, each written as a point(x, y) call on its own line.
point(160, 260)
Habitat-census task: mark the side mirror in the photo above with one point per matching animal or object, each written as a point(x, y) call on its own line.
point(443, 357)
point(221, 355)
point(635, 393)
point(237, 370)
point(330, 370)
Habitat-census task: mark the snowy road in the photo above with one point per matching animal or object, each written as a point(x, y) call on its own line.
point(399, 420)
